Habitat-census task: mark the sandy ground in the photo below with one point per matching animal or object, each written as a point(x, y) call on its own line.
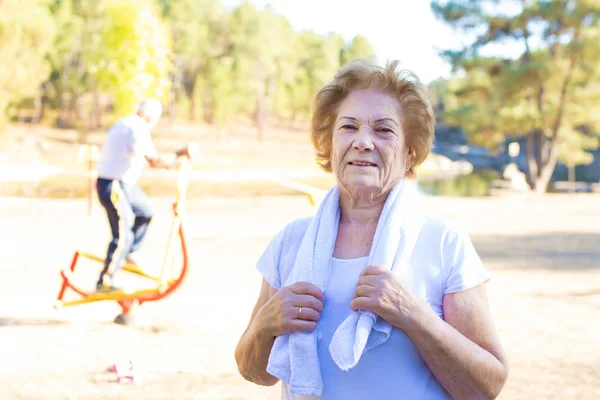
point(543, 252)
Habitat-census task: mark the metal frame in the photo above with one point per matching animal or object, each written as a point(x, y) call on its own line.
point(166, 283)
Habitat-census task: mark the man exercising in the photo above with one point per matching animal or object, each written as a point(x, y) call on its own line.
point(126, 151)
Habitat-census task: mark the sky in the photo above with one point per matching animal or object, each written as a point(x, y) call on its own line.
point(405, 30)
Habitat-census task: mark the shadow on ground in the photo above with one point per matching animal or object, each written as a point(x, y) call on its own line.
point(145, 325)
point(554, 251)
point(15, 321)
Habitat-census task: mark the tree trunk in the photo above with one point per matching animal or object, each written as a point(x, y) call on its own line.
point(74, 55)
point(260, 101)
point(37, 102)
point(532, 166)
point(260, 111)
point(92, 112)
point(3, 107)
point(542, 181)
point(189, 86)
point(62, 96)
point(175, 87)
point(95, 117)
point(190, 91)
point(208, 108)
point(81, 114)
point(541, 152)
point(172, 106)
point(269, 97)
point(545, 173)
point(192, 110)
point(540, 167)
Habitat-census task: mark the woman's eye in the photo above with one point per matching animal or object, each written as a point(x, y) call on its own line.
point(348, 127)
point(386, 130)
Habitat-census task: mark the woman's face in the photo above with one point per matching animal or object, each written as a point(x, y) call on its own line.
point(369, 151)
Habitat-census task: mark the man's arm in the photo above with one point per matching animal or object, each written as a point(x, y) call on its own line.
point(168, 160)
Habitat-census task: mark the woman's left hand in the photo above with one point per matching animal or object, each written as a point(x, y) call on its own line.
point(379, 290)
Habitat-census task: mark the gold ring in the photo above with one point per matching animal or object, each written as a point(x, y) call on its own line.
point(299, 313)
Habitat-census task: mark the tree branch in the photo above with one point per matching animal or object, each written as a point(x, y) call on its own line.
point(563, 96)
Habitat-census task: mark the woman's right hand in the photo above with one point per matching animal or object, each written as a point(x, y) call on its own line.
point(293, 308)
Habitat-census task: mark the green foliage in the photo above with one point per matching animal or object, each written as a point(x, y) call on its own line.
point(359, 47)
point(318, 61)
point(69, 26)
point(548, 87)
point(132, 57)
point(26, 34)
point(220, 63)
point(198, 28)
point(471, 185)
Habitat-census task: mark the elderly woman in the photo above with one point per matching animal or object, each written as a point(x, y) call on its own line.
point(370, 298)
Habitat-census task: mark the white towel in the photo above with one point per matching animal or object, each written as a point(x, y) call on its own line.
point(294, 358)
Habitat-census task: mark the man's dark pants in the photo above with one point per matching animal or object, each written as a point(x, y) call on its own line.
point(129, 213)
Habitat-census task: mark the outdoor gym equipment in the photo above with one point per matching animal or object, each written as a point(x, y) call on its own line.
point(163, 285)
point(315, 195)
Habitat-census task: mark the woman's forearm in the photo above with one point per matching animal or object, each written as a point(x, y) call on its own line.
point(252, 355)
point(465, 370)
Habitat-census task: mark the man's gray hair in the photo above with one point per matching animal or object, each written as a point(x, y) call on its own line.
point(150, 108)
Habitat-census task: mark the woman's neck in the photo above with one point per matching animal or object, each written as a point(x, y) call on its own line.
point(358, 223)
point(362, 211)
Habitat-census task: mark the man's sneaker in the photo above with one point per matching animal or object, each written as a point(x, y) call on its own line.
point(107, 285)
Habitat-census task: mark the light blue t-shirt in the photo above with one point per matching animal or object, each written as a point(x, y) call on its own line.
point(443, 261)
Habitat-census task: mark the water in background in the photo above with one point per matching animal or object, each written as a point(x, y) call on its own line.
point(474, 184)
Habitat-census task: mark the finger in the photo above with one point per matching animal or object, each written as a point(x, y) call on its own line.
point(373, 270)
point(299, 325)
point(364, 291)
point(308, 301)
point(307, 288)
point(304, 326)
point(368, 280)
point(307, 314)
point(361, 303)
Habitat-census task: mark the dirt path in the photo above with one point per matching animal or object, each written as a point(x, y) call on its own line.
point(544, 254)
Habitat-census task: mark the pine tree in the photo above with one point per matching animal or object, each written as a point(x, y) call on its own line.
point(546, 92)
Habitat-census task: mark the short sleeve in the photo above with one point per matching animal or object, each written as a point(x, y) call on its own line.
point(141, 143)
point(269, 262)
point(463, 267)
point(150, 150)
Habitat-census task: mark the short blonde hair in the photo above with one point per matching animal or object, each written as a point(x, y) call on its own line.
point(418, 120)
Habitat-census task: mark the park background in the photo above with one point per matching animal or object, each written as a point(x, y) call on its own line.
point(515, 87)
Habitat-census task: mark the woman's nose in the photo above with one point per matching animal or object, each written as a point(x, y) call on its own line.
point(363, 140)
